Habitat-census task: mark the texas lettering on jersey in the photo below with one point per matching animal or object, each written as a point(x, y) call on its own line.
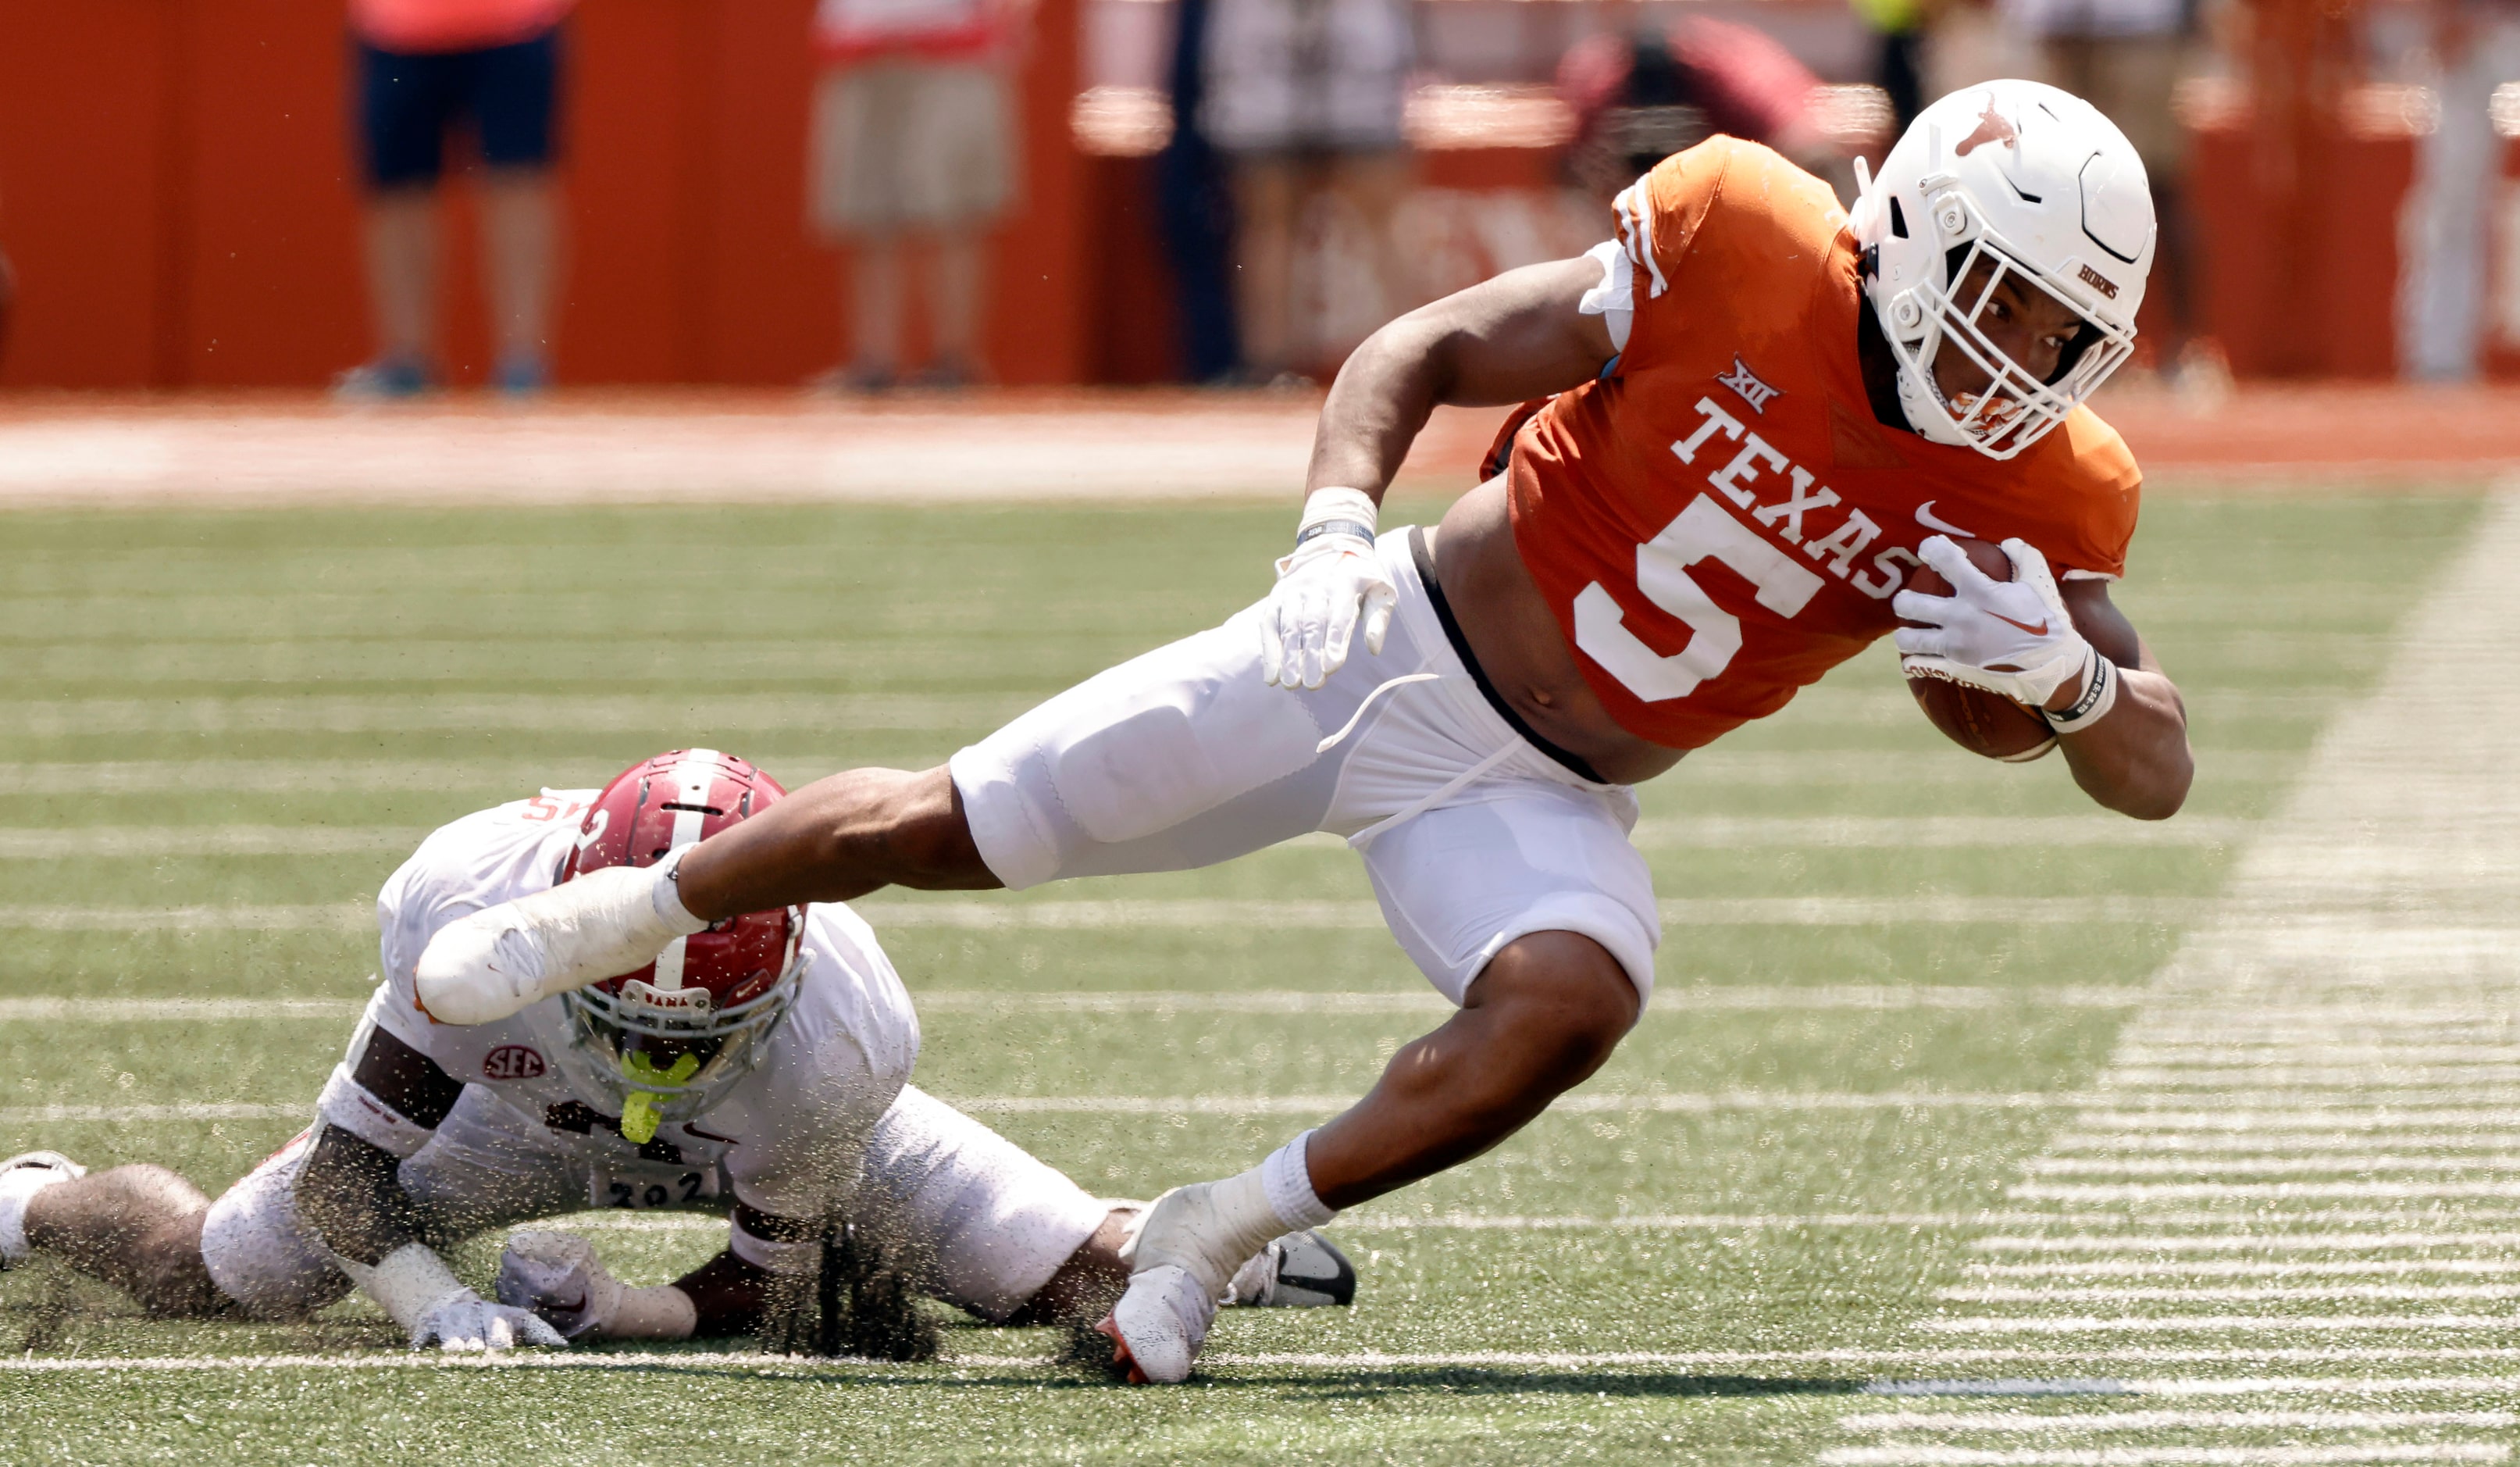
point(1724, 519)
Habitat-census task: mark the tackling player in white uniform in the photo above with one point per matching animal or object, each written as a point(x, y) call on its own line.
point(763, 1063)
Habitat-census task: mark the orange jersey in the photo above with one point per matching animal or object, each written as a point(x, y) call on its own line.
point(1722, 520)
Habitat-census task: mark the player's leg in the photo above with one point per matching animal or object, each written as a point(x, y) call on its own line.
point(1177, 758)
point(1529, 908)
point(137, 1227)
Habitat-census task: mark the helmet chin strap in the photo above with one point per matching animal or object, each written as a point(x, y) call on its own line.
point(1926, 410)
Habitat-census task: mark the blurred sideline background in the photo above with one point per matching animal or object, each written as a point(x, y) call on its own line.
point(180, 194)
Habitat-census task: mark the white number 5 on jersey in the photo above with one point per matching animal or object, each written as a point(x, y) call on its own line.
point(1703, 532)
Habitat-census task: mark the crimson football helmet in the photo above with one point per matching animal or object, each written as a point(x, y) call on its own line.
point(667, 1041)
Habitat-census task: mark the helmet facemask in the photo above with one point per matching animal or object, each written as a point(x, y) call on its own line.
point(654, 1055)
point(2014, 408)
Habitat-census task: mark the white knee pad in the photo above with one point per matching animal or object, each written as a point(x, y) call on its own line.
point(257, 1251)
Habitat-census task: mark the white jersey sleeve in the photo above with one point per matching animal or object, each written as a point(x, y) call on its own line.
point(484, 858)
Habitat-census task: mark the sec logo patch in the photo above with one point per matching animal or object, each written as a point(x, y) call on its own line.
point(513, 1062)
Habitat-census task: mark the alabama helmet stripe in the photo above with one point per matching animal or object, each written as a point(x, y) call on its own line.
point(693, 777)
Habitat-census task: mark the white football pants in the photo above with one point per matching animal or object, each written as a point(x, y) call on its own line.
point(993, 1222)
point(1183, 757)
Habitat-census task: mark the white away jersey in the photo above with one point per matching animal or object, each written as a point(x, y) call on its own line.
point(790, 1135)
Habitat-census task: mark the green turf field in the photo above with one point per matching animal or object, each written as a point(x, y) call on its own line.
point(1888, 970)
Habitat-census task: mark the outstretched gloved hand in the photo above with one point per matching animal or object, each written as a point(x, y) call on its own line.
point(1329, 584)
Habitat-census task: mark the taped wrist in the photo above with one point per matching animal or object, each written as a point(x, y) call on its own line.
point(2095, 693)
point(406, 1283)
point(659, 1311)
point(1338, 511)
point(666, 896)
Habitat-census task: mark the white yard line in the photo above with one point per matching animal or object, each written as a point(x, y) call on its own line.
point(153, 842)
point(2220, 1324)
point(2162, 1456)
point(48, 1114)
point(1933, 831)
point(667, 1362)
point(938, 713)
point(1797, 769)
point(312, 916)
point(1703, 833)
point(2239, 1192)
point(2249, 1268)
point(1194, 913)
point(2241, 1240)
point(1671, 1003)
point(1579, 1103)
point(174, 1010)
point(2078, 1422)
point(2231, 1294)
point(2223, 1165)
point(1708, 1103)
point(2300, 1144)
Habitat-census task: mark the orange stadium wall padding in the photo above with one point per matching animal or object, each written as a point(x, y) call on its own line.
point(177, 190)
point(2345, 324)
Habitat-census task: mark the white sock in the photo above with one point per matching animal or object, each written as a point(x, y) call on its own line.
point(1288, 1176)
point(16, 1186)
point(1213, 1228)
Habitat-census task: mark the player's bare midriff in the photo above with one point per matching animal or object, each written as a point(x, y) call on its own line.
point(1518, 644)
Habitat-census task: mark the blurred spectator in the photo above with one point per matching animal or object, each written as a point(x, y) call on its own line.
point(2444, 224)
point(2125, 57)
point(1638, 101)
point(1306, 95)
point(1194, 200)
point(914, 146)
point(424, 65)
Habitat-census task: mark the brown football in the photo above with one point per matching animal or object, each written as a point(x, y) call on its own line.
point(1979, 721)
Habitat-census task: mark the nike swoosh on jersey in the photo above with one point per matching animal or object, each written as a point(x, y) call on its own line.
point(1925, 516)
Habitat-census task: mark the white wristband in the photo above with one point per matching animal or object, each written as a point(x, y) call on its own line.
point(2095, 693)
point(773, 1256)
point(1341, 507)
point(405, 1283)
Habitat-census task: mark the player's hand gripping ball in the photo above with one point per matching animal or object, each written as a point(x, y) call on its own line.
point(1978, 719)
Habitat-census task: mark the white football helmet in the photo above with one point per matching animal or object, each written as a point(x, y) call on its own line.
point(2037, 182)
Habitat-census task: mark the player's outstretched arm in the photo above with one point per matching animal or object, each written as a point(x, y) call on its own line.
point(350, 1193)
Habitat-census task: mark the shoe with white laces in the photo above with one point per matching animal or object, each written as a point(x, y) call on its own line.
point(21, 1176)
point(1302, 1270)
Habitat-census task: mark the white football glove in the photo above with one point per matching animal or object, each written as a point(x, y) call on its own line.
point(464, 1323)
point(558, 1276)
point(504, 960)
point(2013, 637)
point(1330, 582)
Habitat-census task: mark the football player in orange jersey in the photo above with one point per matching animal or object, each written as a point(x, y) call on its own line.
point(1766, 415)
